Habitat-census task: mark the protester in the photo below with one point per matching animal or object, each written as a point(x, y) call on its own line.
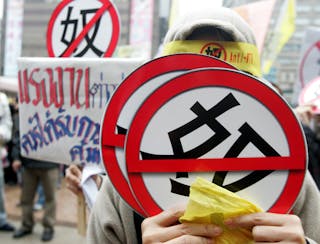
point(33, 173)
point(5, 136)
point(10, 177)
point(306, 116)
point(313, 153)
point(113, 221)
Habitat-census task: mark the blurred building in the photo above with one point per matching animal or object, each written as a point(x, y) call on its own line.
point(37, 14)
point(285, 69)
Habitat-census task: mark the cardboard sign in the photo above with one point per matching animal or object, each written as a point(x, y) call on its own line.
point(83, 28)
point(61, 102)
point(219, 124)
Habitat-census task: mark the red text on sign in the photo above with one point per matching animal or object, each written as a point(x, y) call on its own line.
point(48, 86)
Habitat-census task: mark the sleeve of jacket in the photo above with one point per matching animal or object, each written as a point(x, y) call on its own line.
point(5, 119)
point(313, 154)
point(111, 219)
point(307, 207)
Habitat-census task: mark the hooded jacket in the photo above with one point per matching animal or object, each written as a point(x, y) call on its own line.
point(113, 221)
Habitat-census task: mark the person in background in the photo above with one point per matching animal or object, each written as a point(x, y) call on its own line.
point(10, 176)
point(35, 172)
point(40, 200)
point(5, 136)
point(307, 117)
point(113, 221)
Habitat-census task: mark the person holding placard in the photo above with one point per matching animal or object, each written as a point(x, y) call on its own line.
point(5, 136)
point(35, 172)
point(112, 220)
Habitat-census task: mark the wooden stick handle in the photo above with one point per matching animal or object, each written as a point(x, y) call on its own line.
point(82, 215)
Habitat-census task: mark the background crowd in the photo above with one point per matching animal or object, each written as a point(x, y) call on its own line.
point(38, 179)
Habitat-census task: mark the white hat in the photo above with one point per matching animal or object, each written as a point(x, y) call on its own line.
point(223, 18)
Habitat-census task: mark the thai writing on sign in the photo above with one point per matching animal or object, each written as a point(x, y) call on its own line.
point(56, 86)
point(61, 105)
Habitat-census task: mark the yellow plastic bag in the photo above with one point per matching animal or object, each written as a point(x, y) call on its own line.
point(212, 204)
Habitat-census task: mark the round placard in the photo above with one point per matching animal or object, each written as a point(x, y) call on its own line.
point(231, 126)
point(124, 103)
point(83, 28)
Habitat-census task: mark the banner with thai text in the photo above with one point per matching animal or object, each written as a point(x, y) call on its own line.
point(61, 103)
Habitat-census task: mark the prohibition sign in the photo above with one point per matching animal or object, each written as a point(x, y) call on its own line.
point(295, 162)
point(112, 141)
point(310, 67)
point(310, 94)
point(102, 10)
point(215, 50)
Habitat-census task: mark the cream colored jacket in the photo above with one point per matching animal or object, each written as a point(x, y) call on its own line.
point(112, 221)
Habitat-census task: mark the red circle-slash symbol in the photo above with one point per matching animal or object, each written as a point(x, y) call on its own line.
point(215, 50)
point(295, 163)
point(71, 44)
point(304, 72)
point(112, 139)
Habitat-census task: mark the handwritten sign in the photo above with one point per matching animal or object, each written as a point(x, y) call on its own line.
point(61, 103)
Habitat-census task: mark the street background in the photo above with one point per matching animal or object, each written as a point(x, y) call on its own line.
point(66, 224)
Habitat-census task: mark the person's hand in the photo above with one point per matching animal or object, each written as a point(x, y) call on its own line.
point(165, 228)
point(73, 179)
point(98, 180)
point(271, 228)
point(304, 113)
point(16, 165)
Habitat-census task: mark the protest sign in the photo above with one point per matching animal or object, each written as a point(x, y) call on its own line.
point(127, 97)
point(309, 67)
point(216, 123)
point(226, 127)
point(83, 28)
point(61, 102)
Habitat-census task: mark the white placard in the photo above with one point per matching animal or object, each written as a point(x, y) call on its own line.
point(61, 102)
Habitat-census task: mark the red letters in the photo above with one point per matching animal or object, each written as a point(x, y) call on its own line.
point(52, 86)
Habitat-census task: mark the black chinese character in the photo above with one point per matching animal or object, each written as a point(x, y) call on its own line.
point(204, 117)
point(74, 23)
point(215, 52)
